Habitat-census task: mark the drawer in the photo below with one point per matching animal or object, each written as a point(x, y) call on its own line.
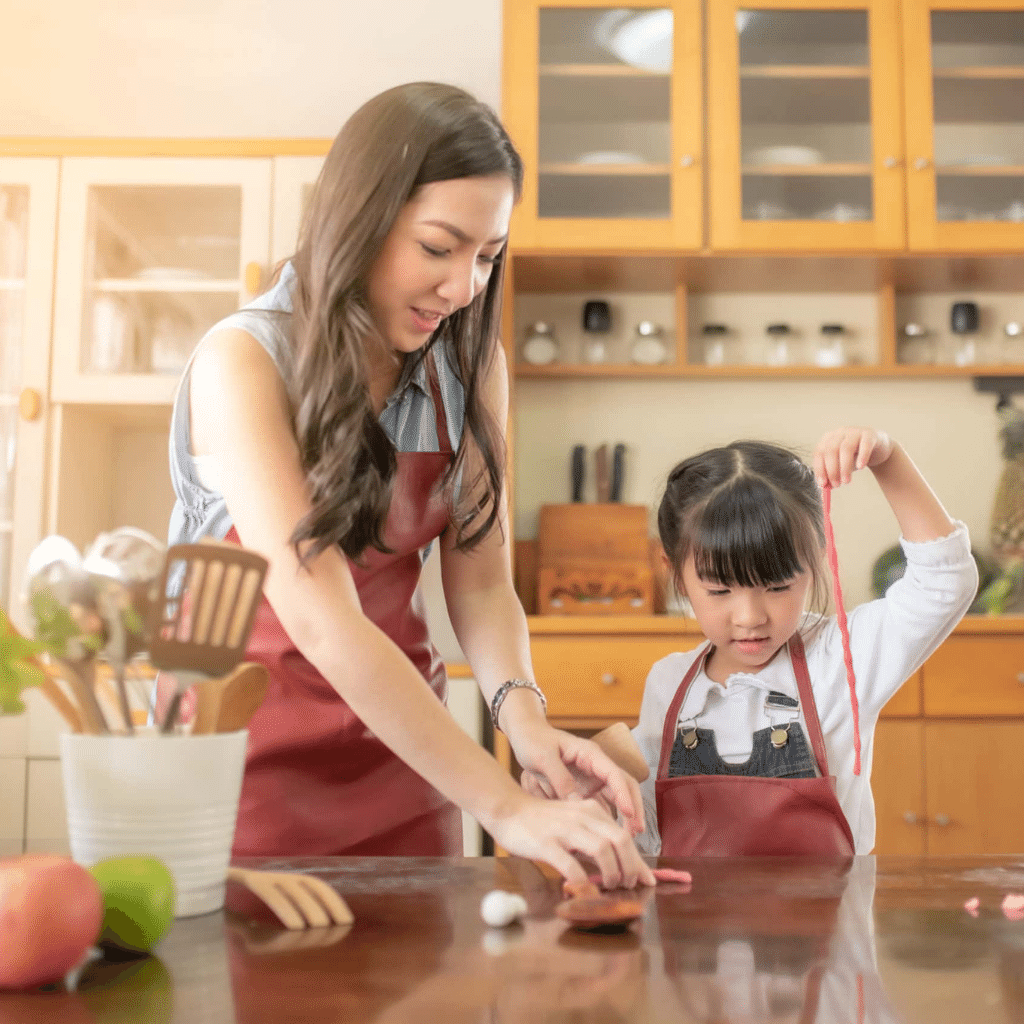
point(598, 677)
point(970, 676)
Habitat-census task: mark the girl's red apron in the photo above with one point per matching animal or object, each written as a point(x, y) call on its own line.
point(317, 781)
point(744, 815)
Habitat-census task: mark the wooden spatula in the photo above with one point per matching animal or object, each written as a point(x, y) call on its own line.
point(202, 631)
point(226, 705)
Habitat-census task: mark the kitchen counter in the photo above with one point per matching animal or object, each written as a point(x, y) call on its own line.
point(861, 940)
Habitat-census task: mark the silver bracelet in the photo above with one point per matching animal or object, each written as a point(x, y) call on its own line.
point(503, 691)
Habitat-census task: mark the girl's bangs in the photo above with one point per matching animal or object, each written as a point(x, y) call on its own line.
point(744, 538)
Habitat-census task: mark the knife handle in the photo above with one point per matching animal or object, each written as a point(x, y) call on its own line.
point(602, 478)
point(578, 470)
point(618, 456)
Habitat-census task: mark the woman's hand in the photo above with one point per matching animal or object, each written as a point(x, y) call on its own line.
point(840, 452)
point(558, 765)
point(557, 831)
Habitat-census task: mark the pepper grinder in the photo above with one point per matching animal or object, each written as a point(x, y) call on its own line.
point(597, 322)
point(963, 322)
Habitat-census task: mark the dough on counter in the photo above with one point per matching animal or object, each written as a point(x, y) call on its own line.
point(499, 908)
point(971, 906)
point(1013, 907)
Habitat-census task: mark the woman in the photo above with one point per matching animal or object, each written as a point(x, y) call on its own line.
point(339, 425)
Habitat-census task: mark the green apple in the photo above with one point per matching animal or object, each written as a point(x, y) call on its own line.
point(138, 901)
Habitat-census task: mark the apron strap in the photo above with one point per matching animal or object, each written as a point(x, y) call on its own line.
point(803, 682)
point(668, 733)
point(444, 445)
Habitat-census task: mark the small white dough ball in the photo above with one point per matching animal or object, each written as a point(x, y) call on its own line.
point(499, 908)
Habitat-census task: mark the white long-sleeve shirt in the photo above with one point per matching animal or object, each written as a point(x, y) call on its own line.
point(889, 638)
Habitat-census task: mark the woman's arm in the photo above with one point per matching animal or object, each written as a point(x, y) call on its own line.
point(240, 415)
point(491, 628)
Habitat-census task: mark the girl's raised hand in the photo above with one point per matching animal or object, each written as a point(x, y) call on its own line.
point(840, 452)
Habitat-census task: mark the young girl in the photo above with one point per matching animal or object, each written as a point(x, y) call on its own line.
point(751, 737)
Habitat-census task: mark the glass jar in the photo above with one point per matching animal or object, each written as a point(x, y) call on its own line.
point(778, 351)
point(716, 344)
point(831, 347)
point(540, 347)
point(648, 346)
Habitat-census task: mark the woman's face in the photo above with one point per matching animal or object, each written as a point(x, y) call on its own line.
point(438, 256)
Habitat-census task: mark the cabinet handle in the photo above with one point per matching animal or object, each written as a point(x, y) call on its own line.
point(890, 162)
point(608, 679)
point(686, 161)
point(253, 278)
point(942, 820)
point(30, 405)
point(921, 163)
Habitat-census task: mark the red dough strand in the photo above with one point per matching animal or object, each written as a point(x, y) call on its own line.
point(844, 629)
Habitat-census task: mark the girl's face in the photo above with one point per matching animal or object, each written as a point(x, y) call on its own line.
point(438, 256)
point(747, 625)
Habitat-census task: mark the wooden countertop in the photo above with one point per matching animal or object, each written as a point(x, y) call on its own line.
point(755, 939)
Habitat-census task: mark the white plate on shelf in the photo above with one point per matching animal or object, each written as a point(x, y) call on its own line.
point(610, 156)
point(795, 155)
point(642, 39)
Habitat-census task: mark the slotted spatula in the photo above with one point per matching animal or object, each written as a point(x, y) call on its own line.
point(202, 631)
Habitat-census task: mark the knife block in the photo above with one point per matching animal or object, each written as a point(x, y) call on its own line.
point(594, 559)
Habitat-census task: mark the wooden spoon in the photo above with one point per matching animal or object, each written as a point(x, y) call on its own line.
point(227, 704)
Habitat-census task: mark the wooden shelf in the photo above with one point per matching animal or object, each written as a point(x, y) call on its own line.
point(804, 170)
point(616, 170)
point(978, 170)
point(699, 371)
point(1012, 71)
point(598, 71)
point(804, 71)
point(678, 625)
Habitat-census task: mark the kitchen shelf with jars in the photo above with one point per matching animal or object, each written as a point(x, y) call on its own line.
point(648, 316)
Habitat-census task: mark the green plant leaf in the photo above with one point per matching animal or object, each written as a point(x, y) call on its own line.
point(17, 673)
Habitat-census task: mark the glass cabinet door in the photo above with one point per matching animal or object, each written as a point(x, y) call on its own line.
point(28, 214)
point(152, 252)
point(965, 124)
point(604, 104)
point(804, 122)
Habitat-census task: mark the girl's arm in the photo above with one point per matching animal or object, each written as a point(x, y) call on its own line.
point(918, 511)
point(491, 628)
point(240, 415)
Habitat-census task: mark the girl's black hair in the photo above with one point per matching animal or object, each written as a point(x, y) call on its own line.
point(750, 513)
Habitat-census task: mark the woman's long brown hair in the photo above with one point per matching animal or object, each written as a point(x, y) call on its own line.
point(397, 142)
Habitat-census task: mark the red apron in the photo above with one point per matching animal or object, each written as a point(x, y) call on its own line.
point(736, 815)
point(317, 781)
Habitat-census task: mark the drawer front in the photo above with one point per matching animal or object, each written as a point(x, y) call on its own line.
point(906, 701)
point(599, 677)
point(971, 676)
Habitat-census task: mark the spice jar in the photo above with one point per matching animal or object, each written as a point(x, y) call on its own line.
point(540, 347)
point(778, 347)
point(648, 348)
point(831, 348)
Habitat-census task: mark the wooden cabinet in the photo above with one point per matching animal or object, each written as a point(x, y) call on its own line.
point(804, 150)
point(964, 93)
point(605, 105)
point(878, 125)
point(948, 780)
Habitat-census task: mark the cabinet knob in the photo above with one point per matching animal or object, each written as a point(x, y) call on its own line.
point(942, 820)
point(686, 161)
point(910, 817)
point(921, 163)
point(30, 405)
point(1020, 678)
point(253, 278)
point(608, 679)
point(890, 162)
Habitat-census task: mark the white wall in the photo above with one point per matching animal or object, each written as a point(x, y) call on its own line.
point(248, 68)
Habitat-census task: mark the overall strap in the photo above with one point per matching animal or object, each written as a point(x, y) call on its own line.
point(669, 731)
point(803, 682)
point(444, 445)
